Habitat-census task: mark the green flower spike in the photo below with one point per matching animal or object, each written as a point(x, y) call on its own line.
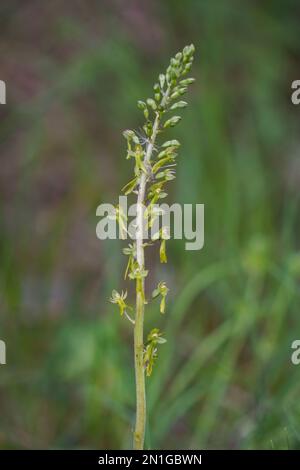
point(154, 162)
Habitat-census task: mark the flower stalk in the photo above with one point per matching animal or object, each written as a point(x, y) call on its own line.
point(140, 423)
point(154, 167)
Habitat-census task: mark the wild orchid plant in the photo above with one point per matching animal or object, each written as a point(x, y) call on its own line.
point(153, 167)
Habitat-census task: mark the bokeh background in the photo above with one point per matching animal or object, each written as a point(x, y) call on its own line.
point(74, 71)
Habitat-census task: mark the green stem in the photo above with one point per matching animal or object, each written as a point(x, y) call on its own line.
point(139, 433)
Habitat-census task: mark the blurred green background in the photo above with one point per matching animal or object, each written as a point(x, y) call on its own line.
point(74, 71)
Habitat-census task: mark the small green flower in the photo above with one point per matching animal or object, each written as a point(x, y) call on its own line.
point(131, 136)
point(155, 336)
point(162, 235)
point(130, 251)
point(139, 164)
point(130, 186)
point(138, 273)
point(119, 299)
point(162, 290)
point(121, 218)
point(150, 352)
